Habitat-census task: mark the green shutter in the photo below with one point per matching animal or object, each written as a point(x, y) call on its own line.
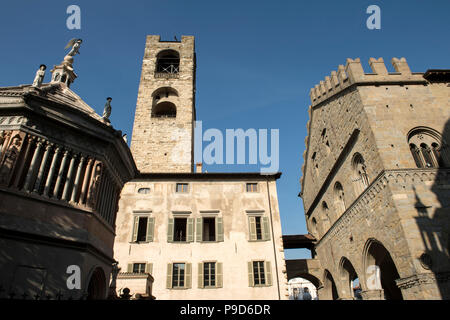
point(219, 229)
point(169, 276)
point(149, 268)
point(150, 228)
point(252, 228)
point(250, 274)
point(200, 275)
point(219, 275)
point(199, 235)
point(170, 230)
point(135, 228)
point(268, 273)
point(266, 228)
point(130, 267)
point(190, 230)
point(188, 276)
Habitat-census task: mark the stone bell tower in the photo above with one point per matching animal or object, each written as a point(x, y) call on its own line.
point(162, 138)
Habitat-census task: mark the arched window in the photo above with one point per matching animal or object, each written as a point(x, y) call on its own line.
point(326, 216)
point(168, 61)
point(339, 202)
point(428, 148)
point(164, 110)
point(360, 177)
point(314, 227)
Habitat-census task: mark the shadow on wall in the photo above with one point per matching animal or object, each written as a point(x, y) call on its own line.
point(435, 226)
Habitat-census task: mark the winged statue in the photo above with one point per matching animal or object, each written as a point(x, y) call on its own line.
point(75, 44)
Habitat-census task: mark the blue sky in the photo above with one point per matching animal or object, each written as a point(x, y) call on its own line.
point(256, 60)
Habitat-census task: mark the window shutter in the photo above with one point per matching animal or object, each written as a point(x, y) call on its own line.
point(252, 228)
point(268, 273)
point(150, 228)
point(130, 267)
point(266, 228)
point(219, 229)
point(199, 230)
point(169, 276)
point(149, 268)
point(190, 230)
point(250, 274)
point(219, 275)
point(200, 275)
point(135, 228)
point(188, 276)
point(170, 230)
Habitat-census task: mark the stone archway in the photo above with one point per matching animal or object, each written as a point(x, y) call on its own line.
point(381, 271)
point(348, 276)
point(329, 290)
point(97, 285)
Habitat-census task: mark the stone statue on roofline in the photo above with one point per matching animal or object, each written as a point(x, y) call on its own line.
point(107, 110)
point(75, 44)
point(40, 74)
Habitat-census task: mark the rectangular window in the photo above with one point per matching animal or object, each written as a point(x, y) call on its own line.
point(258, 273)
point(142, 229)
point(182, 187)
point(259, 228)
point(252, 187)
point(180, 229)
point(138, 267)
point(178, 275)
point(209, 274)
point(209, 229)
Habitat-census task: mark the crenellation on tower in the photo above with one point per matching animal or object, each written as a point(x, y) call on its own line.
point(353, 74)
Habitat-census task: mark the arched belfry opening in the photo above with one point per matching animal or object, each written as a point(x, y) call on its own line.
point(168, 61)
point(164, 103)
point(381, 270)
point(97, 285)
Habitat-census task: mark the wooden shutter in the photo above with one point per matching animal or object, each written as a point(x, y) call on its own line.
point(188, 276)
point(268, 273)
point(190, 230)
point(149, 268)
point(219, 275)
point(130, 267)
point(252, 228)
point(170, 230)
point(135, 228)
point(199, 231)
point(219, 229)
point(266, 228)
point(200, 275)
point(150, 228)
point(169, 276)
point(251, 283)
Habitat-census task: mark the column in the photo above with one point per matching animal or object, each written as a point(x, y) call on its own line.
point(377, 294)
point(65, 195)
point(33, 165)
point(52, 171)
point(42, 167)
point(77, 182)
point(62, 167)
point(86, 180)
point(22, 163)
